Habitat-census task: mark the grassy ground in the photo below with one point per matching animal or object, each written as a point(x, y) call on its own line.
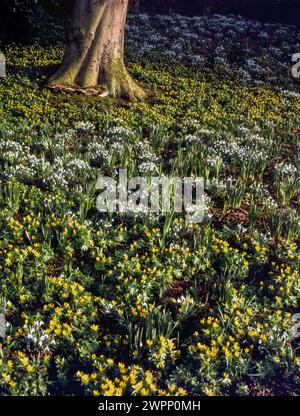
point(150, 304)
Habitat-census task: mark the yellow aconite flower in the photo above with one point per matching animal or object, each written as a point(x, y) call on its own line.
point(95, 328)
point(30, 368)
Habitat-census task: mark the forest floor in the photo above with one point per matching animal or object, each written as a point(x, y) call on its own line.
point(142, 304)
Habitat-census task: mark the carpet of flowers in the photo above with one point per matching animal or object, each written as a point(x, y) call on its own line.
point(149, 304)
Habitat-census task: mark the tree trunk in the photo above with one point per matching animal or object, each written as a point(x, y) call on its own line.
point(95, 50)
point(209, 6)
point(134, 6)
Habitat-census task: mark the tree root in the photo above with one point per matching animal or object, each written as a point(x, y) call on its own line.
point(126, 88)
point(59, 88)
point(114, 80)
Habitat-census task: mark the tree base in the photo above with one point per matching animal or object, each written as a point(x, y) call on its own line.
point(59, 88)
point(95, 53)
point(130, 91)
point(125, 88)
point(118, 82)
point(114, 79)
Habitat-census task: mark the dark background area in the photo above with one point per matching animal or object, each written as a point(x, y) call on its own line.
point(287, 11)
point(16, 16)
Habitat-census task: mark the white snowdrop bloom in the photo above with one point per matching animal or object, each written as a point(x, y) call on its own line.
point(37, 339)
point(285, 169)
point(85, 127)
point(244, 75)
point(148, 168)
point(192, 138)
point(291, 93)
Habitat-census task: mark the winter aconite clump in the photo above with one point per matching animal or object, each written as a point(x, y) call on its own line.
point(123, 304)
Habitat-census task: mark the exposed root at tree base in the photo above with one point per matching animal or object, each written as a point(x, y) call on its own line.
point(118, 82)
point(59, 88)
point(127, 89)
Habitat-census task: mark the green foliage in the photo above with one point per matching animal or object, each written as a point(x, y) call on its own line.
point(149, 305)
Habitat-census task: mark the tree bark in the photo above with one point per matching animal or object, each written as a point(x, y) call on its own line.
point(208, 8)
point(134, 6)
point(94, 53)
